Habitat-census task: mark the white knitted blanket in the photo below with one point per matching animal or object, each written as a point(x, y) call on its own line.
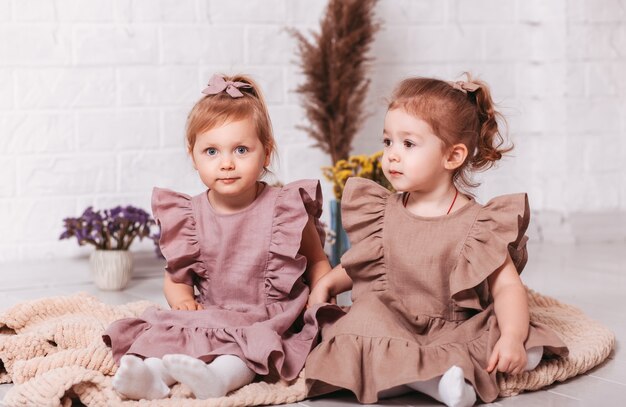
point(51, 349)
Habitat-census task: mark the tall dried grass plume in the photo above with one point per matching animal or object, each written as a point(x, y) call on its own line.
point(334, 63)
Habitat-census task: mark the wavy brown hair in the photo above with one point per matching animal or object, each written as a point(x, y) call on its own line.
point(215, 110)
point(457, 117)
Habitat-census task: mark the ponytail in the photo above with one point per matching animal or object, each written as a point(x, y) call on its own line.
point(490, 140)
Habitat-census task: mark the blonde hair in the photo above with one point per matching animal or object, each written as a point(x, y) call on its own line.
point(456, 116)
point(215, 110)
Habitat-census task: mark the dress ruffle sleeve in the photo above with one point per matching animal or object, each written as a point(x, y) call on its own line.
point(363, 212)
point(499, 229)
point(179, 241)
point(295, 203)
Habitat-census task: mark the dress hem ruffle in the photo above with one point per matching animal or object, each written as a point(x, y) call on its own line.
point(398, 353)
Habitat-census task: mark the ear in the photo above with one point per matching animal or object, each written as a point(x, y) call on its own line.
point(456, 156)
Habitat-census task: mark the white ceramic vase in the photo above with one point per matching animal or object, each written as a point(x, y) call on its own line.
point(111, 269)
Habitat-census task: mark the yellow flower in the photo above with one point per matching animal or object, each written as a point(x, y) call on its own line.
point(355, 166)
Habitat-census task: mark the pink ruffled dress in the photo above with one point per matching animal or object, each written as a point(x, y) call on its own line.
point(249, 276)
point(421, 302)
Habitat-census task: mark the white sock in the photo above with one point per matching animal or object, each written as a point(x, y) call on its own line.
point(533, 357)
point(447, 386)
point(216, 379)
point(450, 389)
point(157, 366)
point(136, 380)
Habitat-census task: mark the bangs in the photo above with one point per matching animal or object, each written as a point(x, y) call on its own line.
point(425, 110)
point(432, 110)
point(210, 113)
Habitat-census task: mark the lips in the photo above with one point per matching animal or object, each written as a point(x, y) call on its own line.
point(394, 173)
point(227, 180)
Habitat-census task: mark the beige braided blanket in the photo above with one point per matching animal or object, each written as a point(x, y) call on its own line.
point(52, 350)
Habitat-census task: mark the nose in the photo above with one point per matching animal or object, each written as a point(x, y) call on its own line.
point(392, 156)
point(227, 163)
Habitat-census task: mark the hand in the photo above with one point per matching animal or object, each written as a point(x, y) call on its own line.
point(320, 293)
point(187, 305)
point(508, 356)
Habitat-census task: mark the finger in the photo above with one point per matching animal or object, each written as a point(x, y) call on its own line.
point(493, 360)
point(511, 368)
point(503, 365)
point(520, 366)
point(199, 306)
point(515, 367)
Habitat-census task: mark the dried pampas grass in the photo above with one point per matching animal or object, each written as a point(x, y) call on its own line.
point(334, 64)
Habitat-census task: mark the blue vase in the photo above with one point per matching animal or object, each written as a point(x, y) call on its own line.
point(341, 244)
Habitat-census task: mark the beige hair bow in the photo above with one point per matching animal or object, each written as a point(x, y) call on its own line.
point(218, 84)
point(464, 86)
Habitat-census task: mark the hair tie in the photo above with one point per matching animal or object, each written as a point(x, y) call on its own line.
point(218, 84)
point(464, 86)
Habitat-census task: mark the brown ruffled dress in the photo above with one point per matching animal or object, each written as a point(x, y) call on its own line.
point(421, 302)
point(249, 275)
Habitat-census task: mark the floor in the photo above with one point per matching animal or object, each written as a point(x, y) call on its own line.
point(591, 277)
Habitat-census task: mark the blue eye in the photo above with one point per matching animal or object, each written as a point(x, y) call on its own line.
point(386, 142)
point(241, 150)
point(211, 151)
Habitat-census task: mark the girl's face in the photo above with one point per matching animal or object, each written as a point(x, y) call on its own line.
point(413, 156)
point(230, 158)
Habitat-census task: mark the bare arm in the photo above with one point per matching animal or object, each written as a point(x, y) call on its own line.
point(317, 264)
point(179, 295)
point(511, 308)
point(318, 268)
point(330, 285)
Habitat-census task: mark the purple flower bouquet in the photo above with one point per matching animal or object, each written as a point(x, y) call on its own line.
point(110, 229)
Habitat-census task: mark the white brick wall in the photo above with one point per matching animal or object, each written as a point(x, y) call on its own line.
point(94, 95)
